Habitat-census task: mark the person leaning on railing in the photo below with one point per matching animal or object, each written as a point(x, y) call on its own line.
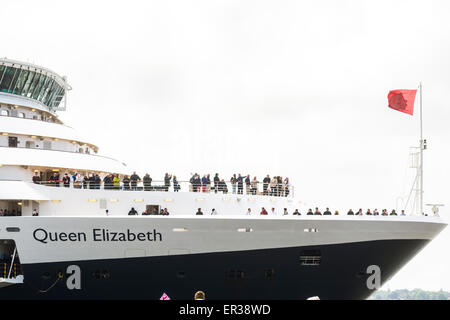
point(116, 181)
point(254, 184)
point(37, 177)
point(167, 178)
point(273, 186)
point(66, 180)
point(266, 182)
point(286, 186)
point(216, 181)
point(205, 182)
point(107, 182)
point(134, 180)
point(223, 187)
point(233, 181)
point(247, 184)
point(240, 184)
point(176, 185)
point(126, 183)
point(147, 181)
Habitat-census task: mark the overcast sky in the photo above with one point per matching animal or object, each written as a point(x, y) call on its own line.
point(290, 88)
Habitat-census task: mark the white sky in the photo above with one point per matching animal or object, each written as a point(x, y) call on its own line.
point(291, 88)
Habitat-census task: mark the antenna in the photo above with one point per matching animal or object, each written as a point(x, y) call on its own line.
point(417, 163)
point(423, 145)
point(435, 208)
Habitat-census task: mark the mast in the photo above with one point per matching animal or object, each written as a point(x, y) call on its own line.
point(417, 163)
point(422, 147)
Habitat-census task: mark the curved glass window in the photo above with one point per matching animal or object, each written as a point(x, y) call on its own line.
point(50, 94)
point(43, 88)
point(2, 70)
point(7, 78)
point(54, 95)
point(21, 81)
point(59, 96)
point(14, 80)
point(31, 84)
point(39, 82)
point(27, 84)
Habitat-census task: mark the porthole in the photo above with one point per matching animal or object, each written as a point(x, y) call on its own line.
point(310, 258)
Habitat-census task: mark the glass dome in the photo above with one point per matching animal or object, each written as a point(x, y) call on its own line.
point(31, 82)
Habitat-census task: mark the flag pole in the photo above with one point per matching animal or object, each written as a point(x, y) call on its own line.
point(421, 153)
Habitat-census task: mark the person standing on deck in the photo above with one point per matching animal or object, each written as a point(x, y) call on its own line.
point(134, 180)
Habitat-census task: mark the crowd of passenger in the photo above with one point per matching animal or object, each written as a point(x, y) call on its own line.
point(148, 212)
point(10, 213)
point(273, 212)
point(350, 212)
point(275, 186)
point(15, 213)
point(327, 212)
point(165, 212)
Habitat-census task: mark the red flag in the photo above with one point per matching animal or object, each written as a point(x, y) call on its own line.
point(402, 100)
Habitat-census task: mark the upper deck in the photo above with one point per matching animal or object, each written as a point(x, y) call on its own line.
point(32, 83)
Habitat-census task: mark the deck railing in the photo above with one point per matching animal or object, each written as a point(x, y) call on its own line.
point(7, 272)
point(224, 187)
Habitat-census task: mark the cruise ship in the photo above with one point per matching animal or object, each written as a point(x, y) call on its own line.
point(77, 240)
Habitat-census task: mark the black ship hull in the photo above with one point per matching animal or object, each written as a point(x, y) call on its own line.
point(337, 271)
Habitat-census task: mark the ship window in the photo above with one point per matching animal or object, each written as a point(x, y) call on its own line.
point(7, 78)
point(13, 229)
point(101, 274)
point(4, 112)
point(21, 115)
point(21, 81)
point(235, 274)
point(152, 209)
point(310, 258)
point(29, 144)
point(269, 274)
point(14, 81)
point(47, 145)
point(33, 85)
point(27, 84)
point(2, 70)
point(41, 79)
point(102, 203)
point(12, 142)
point(43, 89)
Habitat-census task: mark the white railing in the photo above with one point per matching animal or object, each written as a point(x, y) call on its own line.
point(224, 187)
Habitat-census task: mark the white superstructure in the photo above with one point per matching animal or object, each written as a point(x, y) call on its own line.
point(87, 223)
